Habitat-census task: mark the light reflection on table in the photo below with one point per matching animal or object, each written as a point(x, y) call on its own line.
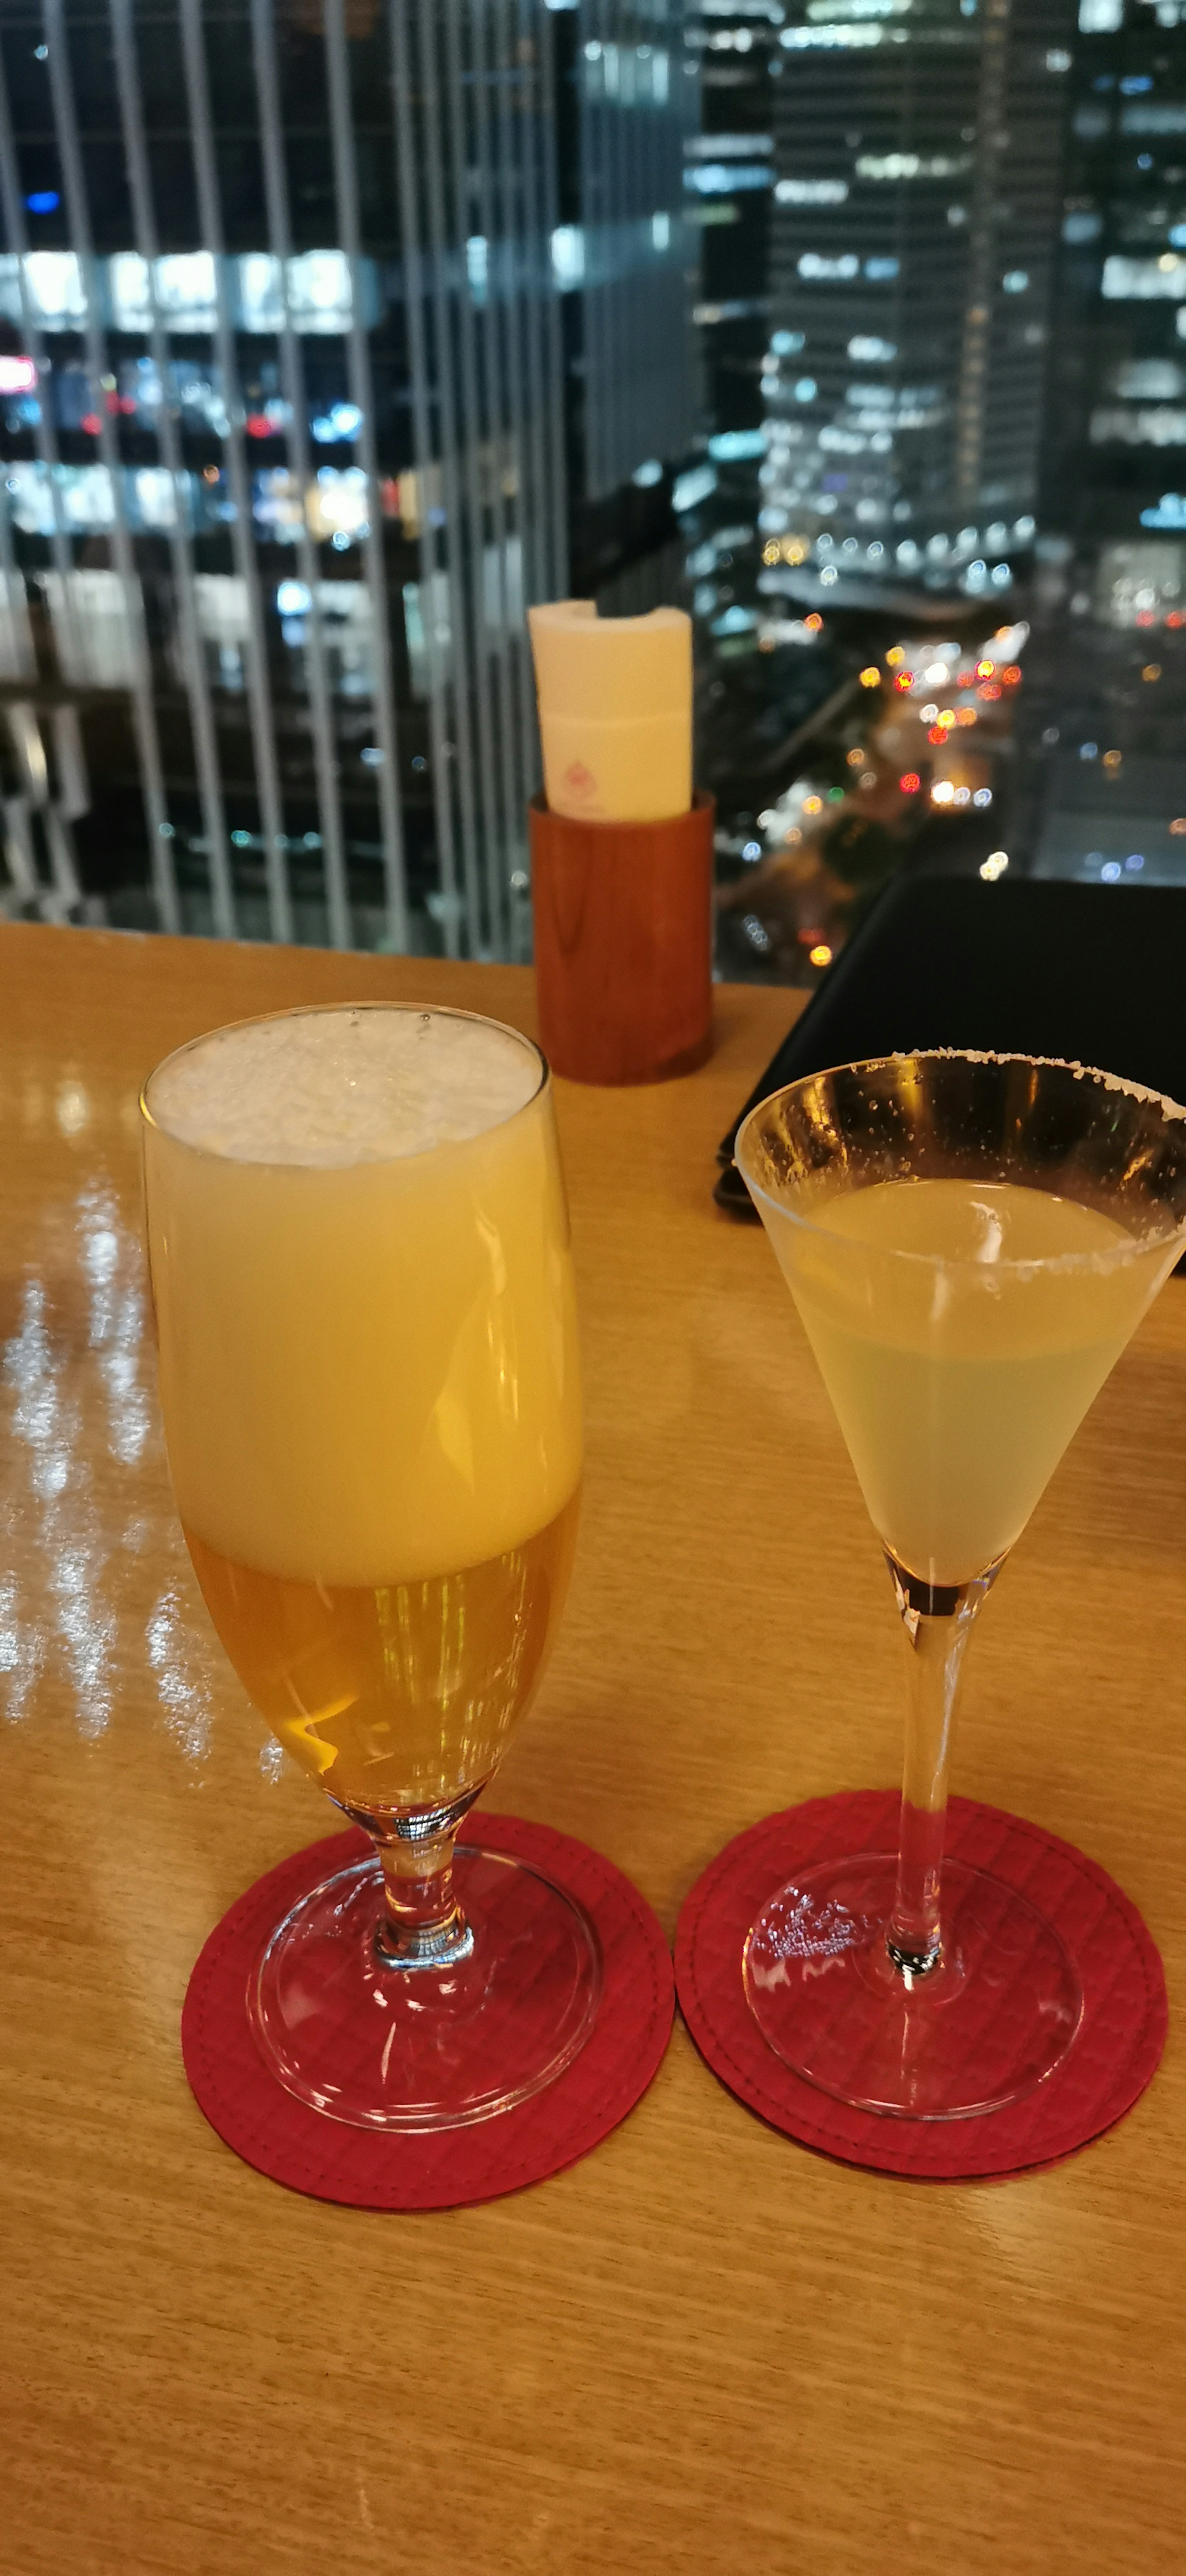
point(101, 1581)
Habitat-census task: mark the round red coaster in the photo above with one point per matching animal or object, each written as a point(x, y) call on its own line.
point(1115, 2051)
point(442, 2170)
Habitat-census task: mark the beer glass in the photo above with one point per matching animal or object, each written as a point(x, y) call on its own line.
point(359, 1249)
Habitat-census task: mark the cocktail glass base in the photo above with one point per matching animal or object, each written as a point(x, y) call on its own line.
point(979, 2031)
point(423, 2048)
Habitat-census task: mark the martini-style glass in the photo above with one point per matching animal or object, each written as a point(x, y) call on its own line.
point(970, 1241)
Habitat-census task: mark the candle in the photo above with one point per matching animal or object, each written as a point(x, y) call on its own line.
point(615, 711)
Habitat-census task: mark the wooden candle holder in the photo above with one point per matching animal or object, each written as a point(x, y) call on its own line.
point(623, 943)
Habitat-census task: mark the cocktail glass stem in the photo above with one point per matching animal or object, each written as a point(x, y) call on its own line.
point(938, 1622)
point(422, 1924)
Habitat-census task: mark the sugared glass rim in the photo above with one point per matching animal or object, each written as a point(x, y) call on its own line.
point(342, 1010)
point(1133, 1248)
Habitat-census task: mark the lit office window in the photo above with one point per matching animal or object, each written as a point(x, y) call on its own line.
point(1126, 278)
point(53, 286)
point(93, 628)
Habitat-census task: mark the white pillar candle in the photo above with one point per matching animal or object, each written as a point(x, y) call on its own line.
point(615, 711)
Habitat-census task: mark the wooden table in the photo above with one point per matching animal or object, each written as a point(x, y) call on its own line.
point(701, 2349)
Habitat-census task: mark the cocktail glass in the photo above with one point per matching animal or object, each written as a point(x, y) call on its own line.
point(360, 1261)
point(970, 1241)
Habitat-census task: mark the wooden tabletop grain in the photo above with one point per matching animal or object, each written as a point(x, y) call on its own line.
point(702, 2352)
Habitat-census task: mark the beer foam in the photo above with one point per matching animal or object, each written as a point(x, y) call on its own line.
point(343, 1086)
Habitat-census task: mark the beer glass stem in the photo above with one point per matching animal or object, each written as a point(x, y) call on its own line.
point(422, 1924)
point(938, 1622)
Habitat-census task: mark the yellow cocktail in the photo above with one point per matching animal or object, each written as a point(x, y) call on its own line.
point(970, 1241)
point(960, 1379)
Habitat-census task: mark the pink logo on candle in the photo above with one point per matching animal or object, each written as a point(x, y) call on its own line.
point(579, 779)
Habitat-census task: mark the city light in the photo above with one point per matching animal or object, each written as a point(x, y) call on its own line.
point(789, 550)
point(568, 257)
point(693, 487)
point(341, 423)
point(994, 866)
point(811, 192)
point(736, 446)
point(834, 478)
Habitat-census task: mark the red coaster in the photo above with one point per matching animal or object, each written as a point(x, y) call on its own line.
point(444, 2169)
point(1112, 2058)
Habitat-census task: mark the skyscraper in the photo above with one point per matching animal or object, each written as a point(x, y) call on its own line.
point(1102, 774)
point(314, 322)
point(915, 216)
point(628, 100)
point(1118, 408)
point(729, 178)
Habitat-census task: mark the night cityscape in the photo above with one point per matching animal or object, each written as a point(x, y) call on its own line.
point(332, 337)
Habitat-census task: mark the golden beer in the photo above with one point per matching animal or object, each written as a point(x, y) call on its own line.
point(368, 1366)
point(394, 1695)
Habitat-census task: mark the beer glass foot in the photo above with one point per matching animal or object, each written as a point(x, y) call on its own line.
point(383, 2047)
point(979, 2030)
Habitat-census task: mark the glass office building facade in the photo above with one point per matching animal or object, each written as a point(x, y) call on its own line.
point(334, 332)
point(913, 235)
point(1103, 776)
point(319, 324)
